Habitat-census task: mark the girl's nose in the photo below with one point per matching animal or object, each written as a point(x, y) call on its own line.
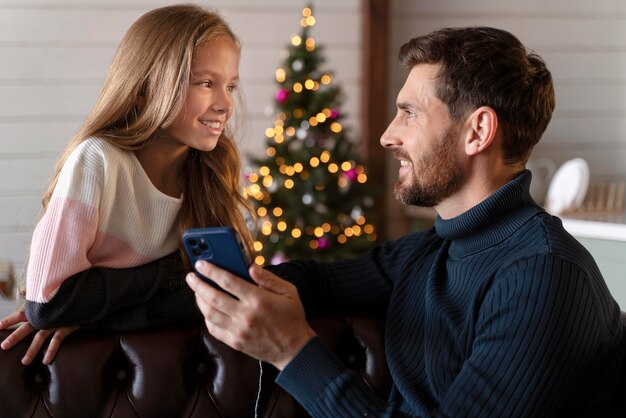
point(223, 102)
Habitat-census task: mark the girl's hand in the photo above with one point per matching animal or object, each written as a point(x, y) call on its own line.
point(58, 335)
point(25, 329)
point(20, 333)
point(13, 319)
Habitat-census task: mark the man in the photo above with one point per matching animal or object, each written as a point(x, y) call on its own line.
point(496, 311)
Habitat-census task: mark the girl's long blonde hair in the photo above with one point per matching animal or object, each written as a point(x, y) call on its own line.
point(145, 89)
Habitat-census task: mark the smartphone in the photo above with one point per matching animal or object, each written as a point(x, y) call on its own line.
point(220, 246)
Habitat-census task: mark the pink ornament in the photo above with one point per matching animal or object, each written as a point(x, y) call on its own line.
point(351, 174)
point(322, 243)
point(334, 114)
point(282, 95)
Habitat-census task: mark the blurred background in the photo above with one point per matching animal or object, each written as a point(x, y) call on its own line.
point(54, 55)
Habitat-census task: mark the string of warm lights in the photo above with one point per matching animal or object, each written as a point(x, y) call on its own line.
point(295, 125)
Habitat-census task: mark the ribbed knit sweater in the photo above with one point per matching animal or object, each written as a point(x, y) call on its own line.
point(498, 312)
point(104, 212)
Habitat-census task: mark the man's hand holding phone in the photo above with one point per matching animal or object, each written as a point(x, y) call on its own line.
point(266, 320)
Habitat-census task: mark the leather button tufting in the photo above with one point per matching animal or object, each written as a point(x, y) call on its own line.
point(351, 360)
point(201, 369)
point(121, 375)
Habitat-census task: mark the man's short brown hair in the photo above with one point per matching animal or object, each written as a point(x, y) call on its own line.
point(482, 66)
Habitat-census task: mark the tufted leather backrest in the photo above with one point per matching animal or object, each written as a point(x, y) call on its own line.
point(170, 372)
point(178, 372)
point(167, 372)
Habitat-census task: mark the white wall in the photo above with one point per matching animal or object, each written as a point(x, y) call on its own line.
point(54, 55)
point(584, 45)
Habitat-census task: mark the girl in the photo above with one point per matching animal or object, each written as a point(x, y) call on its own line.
point(152, 159)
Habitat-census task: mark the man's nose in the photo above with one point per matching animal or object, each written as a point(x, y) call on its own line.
point(390, 138)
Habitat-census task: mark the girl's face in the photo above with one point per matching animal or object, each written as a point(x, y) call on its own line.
point(209, 103)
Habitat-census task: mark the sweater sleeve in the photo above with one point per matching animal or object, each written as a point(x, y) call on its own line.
point(353, 285)
point(320, 382)
point(63, 286)
point(316, 377)
point(532, 326)
point(67, 229)
point(119, 299)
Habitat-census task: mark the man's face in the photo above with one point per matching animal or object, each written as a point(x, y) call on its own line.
point(426, 141)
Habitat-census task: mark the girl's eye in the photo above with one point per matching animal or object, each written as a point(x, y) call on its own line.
point(207, 84)
point(231, 87)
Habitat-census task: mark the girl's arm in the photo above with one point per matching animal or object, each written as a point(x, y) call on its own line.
point(67, 230)
point(94, 298)
point(77, 231)
point(131, 298)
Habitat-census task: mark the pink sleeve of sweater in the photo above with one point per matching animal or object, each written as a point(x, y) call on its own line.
point(59, 247)
point(68, 228)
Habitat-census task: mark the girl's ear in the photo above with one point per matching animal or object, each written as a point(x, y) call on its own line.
point(482, 128)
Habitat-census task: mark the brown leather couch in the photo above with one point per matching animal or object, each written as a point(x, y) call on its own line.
point(176, 372)
point(169, 372)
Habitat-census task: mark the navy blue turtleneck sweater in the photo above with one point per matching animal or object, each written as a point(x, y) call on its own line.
point(495, 313)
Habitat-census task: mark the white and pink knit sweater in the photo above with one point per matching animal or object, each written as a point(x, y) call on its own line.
point(104, 212)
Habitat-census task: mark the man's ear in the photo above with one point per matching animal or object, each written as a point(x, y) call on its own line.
point(482, 128)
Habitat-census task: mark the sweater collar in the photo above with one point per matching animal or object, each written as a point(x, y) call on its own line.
point(492, 220)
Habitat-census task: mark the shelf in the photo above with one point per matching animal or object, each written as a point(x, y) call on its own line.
point(612, 229)
point(608, 225)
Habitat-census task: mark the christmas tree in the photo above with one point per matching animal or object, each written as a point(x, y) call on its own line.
point(309, 191)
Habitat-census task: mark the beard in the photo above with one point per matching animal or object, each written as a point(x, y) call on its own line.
point(435, 176)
